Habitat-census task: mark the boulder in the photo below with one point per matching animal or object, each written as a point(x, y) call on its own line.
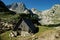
point(24, 33)
point(13, 34)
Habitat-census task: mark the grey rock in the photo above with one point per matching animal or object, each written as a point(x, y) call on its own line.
point(24, 33)
point(21, 8)
point(13, 6)
point(51, 16)
point(13, 34)
point(18, 7)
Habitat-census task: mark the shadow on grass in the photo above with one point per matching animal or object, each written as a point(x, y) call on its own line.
point(37, 30)
point(0, 38)
point(3, 31)
point(52, 25)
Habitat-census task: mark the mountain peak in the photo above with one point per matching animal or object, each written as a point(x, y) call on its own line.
point(13, 6)
point(18, 7)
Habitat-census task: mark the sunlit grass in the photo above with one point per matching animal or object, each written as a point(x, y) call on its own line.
point(43, 29)
point(5, 36)
point(9, 17)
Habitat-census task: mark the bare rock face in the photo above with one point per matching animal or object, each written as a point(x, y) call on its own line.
point(13, 6)
point(13, 34)
point(51, 16)
point(55, 14)
point(21, 8)
point(46, 18)
point(18, 7)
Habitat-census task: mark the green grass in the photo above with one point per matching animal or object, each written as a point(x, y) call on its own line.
point(9, 17)
point(43, 29)
point(5, 36)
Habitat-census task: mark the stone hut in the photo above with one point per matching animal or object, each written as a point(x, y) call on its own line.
point(25, 26)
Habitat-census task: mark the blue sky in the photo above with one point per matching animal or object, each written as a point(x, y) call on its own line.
point(38, 4)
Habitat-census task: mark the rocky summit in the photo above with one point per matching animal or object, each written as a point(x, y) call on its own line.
point(13, 6)
point(18, 7)
point(21, 8)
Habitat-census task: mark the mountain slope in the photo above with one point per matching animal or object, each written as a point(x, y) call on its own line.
point(3, 8)
point(51, 16)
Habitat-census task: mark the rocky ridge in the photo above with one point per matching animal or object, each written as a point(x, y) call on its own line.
point(51, 16)
point(18, 7)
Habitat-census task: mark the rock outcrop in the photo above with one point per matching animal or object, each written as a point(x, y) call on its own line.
point(13, 6)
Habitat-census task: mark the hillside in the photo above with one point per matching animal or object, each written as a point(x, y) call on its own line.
point(47, 22)
point(3, 7)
